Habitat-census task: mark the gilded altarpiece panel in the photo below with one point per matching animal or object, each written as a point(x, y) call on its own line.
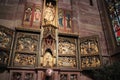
point(6, 37)
point(48, 47)
point(26, 49)
point(67, 52)
point(90, 52)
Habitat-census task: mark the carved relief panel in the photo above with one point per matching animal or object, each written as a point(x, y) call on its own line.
point(89, 46)
point(67, 46)
point(27, 42)
point(69, 62)
point(67, 52)
point(26, 49)
point(90, 52)
point(90, 62)
point(24, 59)
point(6, 37)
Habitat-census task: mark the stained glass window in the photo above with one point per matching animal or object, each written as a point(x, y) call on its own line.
point(114, 14)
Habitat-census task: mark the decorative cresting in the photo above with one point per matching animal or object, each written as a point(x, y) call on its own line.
point(48, 46)
point(49, 12)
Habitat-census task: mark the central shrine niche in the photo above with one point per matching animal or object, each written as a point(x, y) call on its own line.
point(48, 60)
point(48, 46)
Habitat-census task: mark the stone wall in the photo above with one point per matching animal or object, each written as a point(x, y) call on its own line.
point(87, 21)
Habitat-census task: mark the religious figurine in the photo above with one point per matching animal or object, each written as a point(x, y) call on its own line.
point(87, 62)
point(28, 13)
point(49, 13)
point(48, 60)
point(37, 15)
point(97, 62)
point(60, 17)
point(68, 20)
point(93, 62)
point(20, 45)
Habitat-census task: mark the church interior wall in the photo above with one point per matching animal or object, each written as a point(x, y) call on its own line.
point(86, 22)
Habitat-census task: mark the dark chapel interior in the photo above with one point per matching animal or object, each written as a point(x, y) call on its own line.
point(57, 39)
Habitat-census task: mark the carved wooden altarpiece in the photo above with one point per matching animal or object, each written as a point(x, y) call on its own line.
point(25, 49)
point(90, 52)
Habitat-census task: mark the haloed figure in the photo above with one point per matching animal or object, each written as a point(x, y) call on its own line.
point(48, 60)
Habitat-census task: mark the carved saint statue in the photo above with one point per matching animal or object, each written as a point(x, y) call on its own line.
point(49, 13)
point(48, 60)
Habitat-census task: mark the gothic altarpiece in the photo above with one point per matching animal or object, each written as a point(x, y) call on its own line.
point(45, 53)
